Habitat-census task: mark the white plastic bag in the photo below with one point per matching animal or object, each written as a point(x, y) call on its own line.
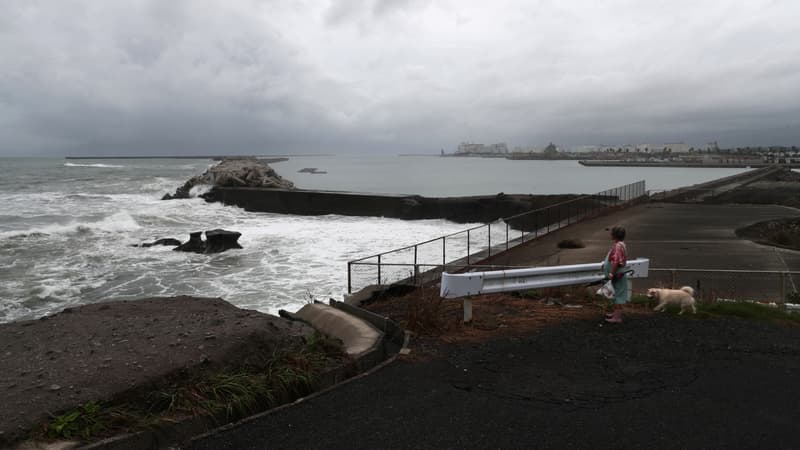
point(607, 290)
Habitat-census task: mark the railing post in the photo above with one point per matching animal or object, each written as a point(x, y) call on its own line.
point(467, 247)
point(444, 249)
point(783, 288)
point(506, 235)
point(379, 270)
point(490, 239)
point(416, 267)
point(349, 277)
point(547, 218)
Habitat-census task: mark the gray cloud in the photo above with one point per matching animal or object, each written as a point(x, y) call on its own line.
point(154, 77)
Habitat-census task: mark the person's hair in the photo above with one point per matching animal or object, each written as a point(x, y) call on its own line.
point(618, 233)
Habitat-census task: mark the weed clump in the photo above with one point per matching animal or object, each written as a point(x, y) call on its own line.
point(226, 394)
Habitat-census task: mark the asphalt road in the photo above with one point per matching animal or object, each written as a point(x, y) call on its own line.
point(658, 381)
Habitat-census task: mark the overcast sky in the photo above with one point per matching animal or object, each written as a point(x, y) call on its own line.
point(392, 76)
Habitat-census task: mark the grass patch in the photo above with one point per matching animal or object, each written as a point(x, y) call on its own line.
point(641, 299)
point(532, 294)
point(226, 394)
point(750, 311)
point(742, 310)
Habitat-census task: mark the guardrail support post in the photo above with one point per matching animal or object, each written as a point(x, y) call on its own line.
point(349, 277)
point(467, 309)
point(783, 287)
point(506, 235)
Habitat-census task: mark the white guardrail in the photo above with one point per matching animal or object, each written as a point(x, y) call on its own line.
point(456, 285)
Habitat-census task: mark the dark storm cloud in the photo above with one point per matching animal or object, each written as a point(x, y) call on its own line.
point(150, 77)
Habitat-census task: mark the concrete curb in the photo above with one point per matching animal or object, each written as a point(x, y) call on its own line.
point(389, 340)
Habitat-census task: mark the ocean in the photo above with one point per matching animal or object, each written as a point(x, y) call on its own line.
point(68, 227)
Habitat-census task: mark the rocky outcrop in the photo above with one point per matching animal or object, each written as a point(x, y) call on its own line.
point(166, 241)
point(244, 172)
point(217, 241)
point(221, 240)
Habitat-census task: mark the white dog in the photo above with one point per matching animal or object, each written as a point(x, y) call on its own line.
point(683, 296)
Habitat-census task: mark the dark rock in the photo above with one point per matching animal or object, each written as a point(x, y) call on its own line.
point(194, 244)
point(221, 240)
point(166, 241)
point(217, 241)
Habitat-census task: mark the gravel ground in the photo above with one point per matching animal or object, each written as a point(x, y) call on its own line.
point(99, 351)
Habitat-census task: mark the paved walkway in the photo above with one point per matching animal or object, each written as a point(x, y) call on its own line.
point(684, 236)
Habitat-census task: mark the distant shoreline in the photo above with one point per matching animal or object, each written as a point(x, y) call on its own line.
point(594, 163)
point(214, 157)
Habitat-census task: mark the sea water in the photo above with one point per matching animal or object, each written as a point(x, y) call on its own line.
point(68, 227)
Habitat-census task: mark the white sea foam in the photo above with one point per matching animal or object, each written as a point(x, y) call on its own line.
point(98, 165)
point(118, 222)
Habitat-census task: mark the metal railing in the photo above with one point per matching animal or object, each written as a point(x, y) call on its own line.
point(771, 286)
point(425, 261)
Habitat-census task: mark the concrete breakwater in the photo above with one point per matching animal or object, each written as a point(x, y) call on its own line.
point(410, 207)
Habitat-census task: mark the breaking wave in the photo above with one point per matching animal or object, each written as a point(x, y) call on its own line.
point(107, 166)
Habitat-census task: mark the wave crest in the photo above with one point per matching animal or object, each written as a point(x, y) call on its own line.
point(107, 166)
point(115, 223)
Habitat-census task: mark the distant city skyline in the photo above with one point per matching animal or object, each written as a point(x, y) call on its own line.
point(148, 77)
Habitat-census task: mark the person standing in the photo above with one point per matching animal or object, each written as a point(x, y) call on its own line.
point(613, 267)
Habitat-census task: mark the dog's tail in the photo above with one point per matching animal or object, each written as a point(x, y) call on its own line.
point(688, 290)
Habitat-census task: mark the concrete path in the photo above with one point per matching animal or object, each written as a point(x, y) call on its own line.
point(679, 236)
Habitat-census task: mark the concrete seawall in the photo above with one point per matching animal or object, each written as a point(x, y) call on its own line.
point(458, 209)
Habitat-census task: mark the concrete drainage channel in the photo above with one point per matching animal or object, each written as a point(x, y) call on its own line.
point(372, 341)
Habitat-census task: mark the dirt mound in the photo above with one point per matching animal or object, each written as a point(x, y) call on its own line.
point(781, 233)
point(97, 351)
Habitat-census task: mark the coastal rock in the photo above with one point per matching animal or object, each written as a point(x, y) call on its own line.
point(243, 172)
point(217, 241)
point(221, 240)
point(165, 241)
point(194, 244)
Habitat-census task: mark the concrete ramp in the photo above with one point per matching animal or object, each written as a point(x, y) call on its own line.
point(357, 335)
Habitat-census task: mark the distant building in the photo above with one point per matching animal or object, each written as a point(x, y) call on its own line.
point(676, 147)
point(470, 149)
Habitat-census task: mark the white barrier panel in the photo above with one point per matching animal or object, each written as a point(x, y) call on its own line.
point(456, 285)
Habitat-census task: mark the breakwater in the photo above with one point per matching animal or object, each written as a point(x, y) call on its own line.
point(410, 207)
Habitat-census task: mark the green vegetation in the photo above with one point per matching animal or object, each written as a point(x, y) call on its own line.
point(751, 311)
point(744, 310)
point(223, 395)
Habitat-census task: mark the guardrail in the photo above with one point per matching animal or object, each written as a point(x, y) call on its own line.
point(425, 261)
point(711, 285)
